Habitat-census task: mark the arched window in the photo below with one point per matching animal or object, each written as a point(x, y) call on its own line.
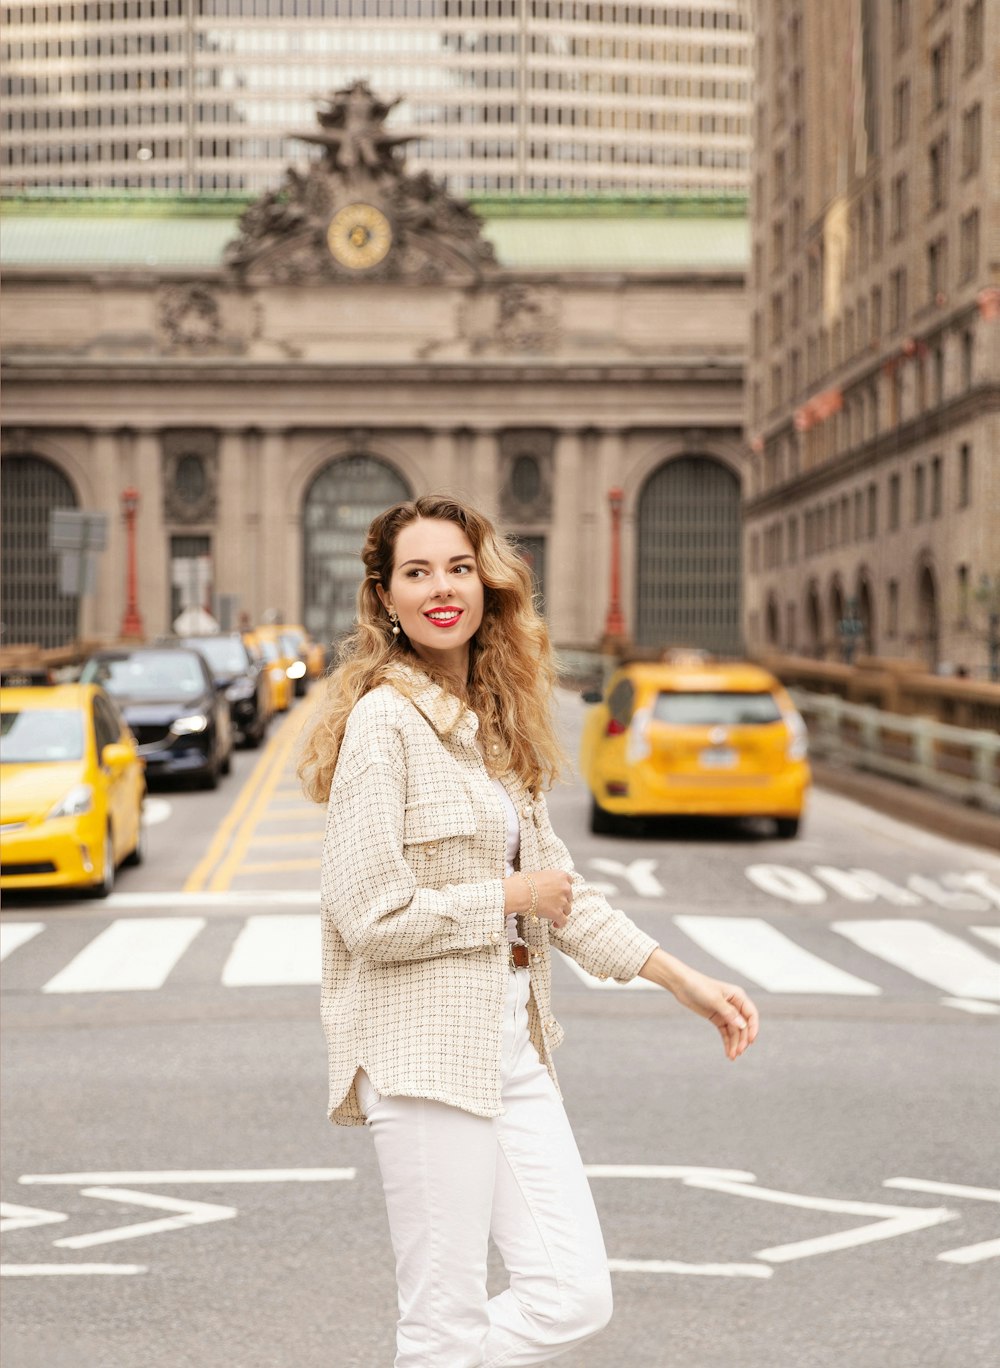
point(339, 504)
point(688, 573)
point(32, 605)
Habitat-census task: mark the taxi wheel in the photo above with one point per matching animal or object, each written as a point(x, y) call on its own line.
point(138, 855)
point(103, 887)
point(602, 823)
point(788, 828)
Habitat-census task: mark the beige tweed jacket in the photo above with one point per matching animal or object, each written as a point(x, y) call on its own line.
point(415, 960)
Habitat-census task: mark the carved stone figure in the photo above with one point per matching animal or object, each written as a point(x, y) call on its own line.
point(355, 214)
point(527, 318)
point(189, 317)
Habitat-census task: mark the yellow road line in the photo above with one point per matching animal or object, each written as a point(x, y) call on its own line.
point(273, 756)
point(289, 838)
point(241, 841)
point(270, 866)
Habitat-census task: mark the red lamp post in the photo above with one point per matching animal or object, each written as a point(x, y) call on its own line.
point(132, 621)
point(614, 623)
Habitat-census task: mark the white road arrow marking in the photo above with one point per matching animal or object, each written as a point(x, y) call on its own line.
point(13, 1217)
point(159, 1176)
point(893, 1220)
point(66, 1270)
point(974, 1253)
point(189, 1213)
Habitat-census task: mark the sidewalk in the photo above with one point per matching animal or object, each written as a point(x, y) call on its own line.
point(940, 815)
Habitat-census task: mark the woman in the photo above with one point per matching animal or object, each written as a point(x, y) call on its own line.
point(443, 889)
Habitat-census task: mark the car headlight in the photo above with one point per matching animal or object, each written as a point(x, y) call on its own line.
point(237, 692)
point(194, 722)
point(296, 670)
point(79, 800)
point(798, 737)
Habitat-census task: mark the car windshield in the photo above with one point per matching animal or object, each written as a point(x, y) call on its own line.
point(703, 709)
point(151, 674)
point(40, 734)
point(225, 655)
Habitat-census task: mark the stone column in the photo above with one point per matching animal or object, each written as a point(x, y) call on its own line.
point(443, 466)
point(272, 549)
point(101, 612)
point(233, 552)
point(140, 465)
point(609, 470)
point(567, 544)
point(482, 479)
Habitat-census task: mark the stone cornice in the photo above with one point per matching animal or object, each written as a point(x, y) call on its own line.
point(224, 371)
point(982, 400)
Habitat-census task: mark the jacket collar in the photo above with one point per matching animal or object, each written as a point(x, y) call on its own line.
point(447, 714)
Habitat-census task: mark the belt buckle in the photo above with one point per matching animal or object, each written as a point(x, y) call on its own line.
point(518, 955)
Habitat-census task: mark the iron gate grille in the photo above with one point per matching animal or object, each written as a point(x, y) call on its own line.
point(339, 505)
point(32, 609)
point(688, 581)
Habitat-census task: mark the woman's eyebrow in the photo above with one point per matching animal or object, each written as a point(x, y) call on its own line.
point(467, 555)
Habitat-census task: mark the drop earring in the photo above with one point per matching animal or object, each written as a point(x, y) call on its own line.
point(394, 618)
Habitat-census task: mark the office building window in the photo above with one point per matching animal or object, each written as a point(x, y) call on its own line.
point(972, 139)
point(872, 511)
point(964, 475)
point(901, 111)
point(937, 480)
point(940, 72)
point(973, 35)
point(919, 492)
point(900, 25)
point(895, 488)
point(899, 206)
point(938, 173)
point(892, 614)
point(963, 596)
point(968, 246)
point(937, 270)
point(897, 299)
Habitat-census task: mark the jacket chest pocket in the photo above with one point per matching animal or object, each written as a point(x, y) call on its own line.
point(429, 827)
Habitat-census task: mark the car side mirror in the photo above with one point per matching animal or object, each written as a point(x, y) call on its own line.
point(592, 696)
point(115, 756)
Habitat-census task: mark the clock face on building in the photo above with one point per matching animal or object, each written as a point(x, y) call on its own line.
point(359, 236)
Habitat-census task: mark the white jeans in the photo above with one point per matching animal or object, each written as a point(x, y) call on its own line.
point(452, 1180)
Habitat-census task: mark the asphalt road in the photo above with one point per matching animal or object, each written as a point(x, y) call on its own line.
point(173, 1194)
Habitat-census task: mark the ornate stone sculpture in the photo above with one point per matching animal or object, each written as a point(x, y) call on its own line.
point(355, 214)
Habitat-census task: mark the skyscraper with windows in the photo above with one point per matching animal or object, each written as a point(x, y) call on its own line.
point(872, 517)
point(520, 96)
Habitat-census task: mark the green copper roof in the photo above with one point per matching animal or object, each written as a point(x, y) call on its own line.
point(64, 231)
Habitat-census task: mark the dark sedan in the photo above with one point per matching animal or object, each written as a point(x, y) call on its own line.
point(170, 701)
point(241, 678)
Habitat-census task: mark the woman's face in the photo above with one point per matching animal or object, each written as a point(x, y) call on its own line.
point(436, 590)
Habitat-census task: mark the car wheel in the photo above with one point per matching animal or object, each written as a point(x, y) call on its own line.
point(210, 779)
point(788, 828)
point(602, 823)
point(227, 763)
point(106, 883)
point(138, 855)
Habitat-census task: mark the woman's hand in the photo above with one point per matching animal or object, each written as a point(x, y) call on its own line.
point(555, 894)
point(727, 1007)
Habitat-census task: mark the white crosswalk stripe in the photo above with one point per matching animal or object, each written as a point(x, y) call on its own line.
point(275, 949)
point(760, 952)
point(13, 934)
point(928, 953)
point(133, 953)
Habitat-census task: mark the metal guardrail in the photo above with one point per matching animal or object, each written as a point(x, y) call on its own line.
point(956, 762)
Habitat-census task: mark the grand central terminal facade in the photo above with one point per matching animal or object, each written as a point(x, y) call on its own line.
point(265, 382)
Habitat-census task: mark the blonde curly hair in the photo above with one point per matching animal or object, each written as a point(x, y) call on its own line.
point(511, 664)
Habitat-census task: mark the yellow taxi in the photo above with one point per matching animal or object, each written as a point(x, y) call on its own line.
point(309, 650)
point(72, 786)
point(693, 736)
point(267, 644)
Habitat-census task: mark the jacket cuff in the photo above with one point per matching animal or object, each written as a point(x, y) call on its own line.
point(479, 911)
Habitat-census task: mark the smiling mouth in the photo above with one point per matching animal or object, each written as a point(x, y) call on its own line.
point(444, 617)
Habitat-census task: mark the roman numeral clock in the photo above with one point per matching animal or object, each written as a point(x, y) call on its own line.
point(359, 236)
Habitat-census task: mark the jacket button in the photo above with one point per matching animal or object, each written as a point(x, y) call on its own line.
point(495, 938)
point(550, 1025)
point(526, 810)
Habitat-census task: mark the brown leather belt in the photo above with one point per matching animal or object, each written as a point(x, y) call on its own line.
point(518, 956)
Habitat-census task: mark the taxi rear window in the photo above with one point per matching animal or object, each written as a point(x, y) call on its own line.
point(704, 709)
